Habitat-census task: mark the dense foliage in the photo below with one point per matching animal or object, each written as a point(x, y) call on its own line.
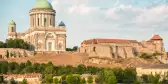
point(14, 43)
point(71, 75)
point(72, 49)
point(149, 56)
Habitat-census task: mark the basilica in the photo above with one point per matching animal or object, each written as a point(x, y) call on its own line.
point(43, 33)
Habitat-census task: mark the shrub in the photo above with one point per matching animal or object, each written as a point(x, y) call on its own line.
point(7, 54)
point(145, 56)
point(55, 81)
point(90, 79)
point(83, 81)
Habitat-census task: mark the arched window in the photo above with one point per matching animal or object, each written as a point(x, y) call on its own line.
point(12, 29)
point(50, 36)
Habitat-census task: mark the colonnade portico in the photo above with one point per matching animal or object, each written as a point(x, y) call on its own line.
point(43, 18)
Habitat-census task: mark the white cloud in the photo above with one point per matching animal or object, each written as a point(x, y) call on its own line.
point(120, 21)
point(153, 16)
point(82, 9)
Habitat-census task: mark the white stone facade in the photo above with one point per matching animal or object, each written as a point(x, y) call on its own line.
point(43, 34)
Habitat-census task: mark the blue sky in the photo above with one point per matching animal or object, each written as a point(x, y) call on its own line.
point(85, 19)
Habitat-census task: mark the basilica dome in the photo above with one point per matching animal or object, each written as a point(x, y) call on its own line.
point(12, 22)
point(43, 4)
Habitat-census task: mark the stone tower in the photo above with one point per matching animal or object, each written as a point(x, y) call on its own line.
point(12, 29)
point(158, 41)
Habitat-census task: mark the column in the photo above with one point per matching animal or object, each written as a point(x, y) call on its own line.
point(30, 21)
point(42, 19)
point(57, 41)
point(36, 20)
point(65, 42)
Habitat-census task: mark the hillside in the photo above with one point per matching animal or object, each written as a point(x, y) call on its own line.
point(76, 58)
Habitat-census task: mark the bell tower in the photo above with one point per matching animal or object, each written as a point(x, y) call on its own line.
point(158, 41)
point(11, 27)
point(12, 30)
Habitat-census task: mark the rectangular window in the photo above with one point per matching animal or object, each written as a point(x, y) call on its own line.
point(45, 20)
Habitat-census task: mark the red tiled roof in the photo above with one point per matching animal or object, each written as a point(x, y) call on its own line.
point(28, 75)
point(156, 37)
point(95, 41)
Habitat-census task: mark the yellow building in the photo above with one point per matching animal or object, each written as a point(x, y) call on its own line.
point(160, 69)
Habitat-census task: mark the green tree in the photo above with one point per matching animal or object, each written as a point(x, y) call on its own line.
point(24, 81)
point(4, 68)
point(92, 70)
point(112, 80)
point(119, 73)
point(81, 69)
point(7, 54)
point(28, 69)
point(50, 63)
point(145, 78)
point(14, 54)
point(83, 81)
point(49, 70)
point(75, 48)
point(154, 79)
point(73, 79)
point(1, 79)
point(90, 79)
point(1, 44)
point(28, 63)
point(97, 80)
point(104, 75)
point(48, 78)
point(63, 79)
point(55, 81)
point(11, 54)
point(16, 43)
point(129, 75)
point(12, 81)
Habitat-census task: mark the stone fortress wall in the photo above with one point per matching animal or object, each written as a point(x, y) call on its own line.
point(120, 48)
point(106, 51)
point(18, 52)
